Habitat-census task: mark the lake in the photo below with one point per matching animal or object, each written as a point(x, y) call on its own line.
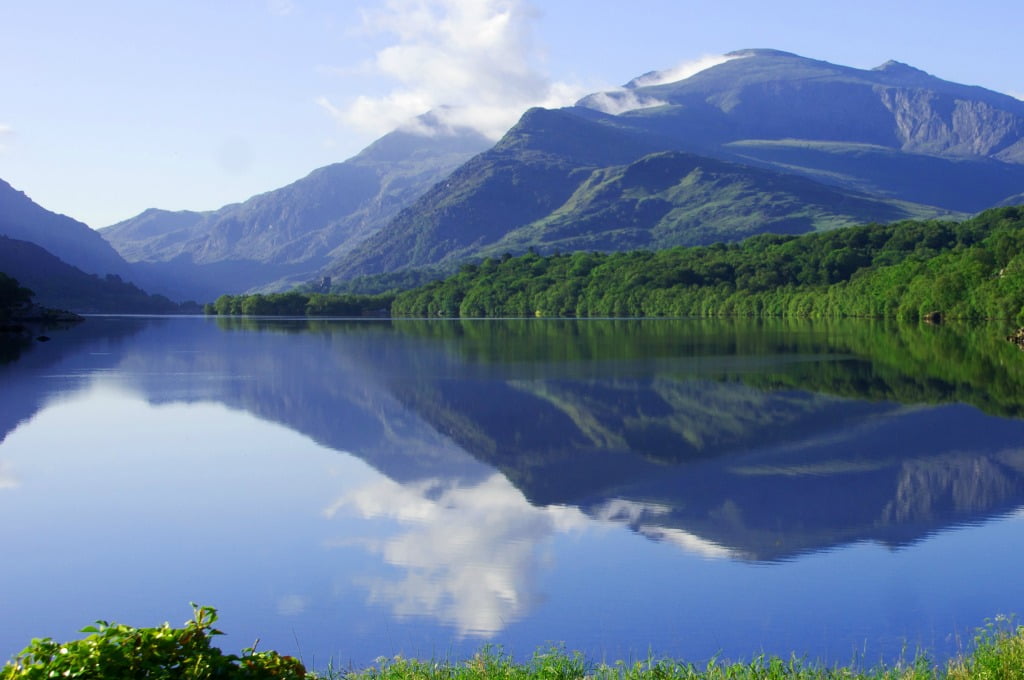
point(345, 490)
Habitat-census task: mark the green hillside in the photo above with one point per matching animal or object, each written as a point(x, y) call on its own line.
point(674, 198)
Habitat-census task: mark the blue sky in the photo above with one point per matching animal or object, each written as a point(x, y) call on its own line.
point(114, 106)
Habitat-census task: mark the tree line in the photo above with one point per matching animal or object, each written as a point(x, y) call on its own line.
point(905, 270)
point(12, 295)
point(297, 303)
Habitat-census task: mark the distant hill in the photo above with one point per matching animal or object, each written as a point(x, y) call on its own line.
point(57, 284)
point(72, 241)
point(290, 233)
point(877, 145)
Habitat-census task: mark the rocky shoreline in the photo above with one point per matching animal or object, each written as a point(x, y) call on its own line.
point(31, 320)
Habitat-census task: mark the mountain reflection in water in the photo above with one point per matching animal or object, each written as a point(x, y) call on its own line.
point(732, 441)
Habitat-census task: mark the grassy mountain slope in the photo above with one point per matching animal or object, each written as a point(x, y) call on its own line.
point(674, 198)
point(964, 184)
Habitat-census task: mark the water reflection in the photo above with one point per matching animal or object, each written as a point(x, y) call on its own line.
point(8, 480)
point(496, 443)
point(469, 553)
point(647, 519)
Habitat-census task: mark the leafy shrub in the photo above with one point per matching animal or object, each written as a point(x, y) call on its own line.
point(115, 651)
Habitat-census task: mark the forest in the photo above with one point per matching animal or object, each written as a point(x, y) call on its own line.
point(911, 269)
point(298, 303)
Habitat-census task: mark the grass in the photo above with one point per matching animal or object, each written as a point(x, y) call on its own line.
point(998, 654)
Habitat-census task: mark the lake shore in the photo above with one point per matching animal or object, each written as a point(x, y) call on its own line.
point(111, 649)
point(998, 653)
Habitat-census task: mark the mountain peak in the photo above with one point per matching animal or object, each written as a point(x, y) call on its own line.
point(898, 67)
point(760, 52)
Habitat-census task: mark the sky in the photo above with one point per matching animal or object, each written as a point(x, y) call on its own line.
point(111, 107)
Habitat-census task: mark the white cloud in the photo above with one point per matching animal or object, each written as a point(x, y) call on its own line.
point(475, 56)
point(280, 7)
point(5, 131)
point(623, 511)
point(682, 71)
point(7, 478)
point(1017, 95)
point(626, 98)
point(292, 605)
point(634, 514)
point(469, 554)
point(620, 101)
point(689, 542)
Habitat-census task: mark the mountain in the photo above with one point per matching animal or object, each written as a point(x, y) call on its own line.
point(57, 284)
point(70, 240)
point(293, 231)
point(661, 200)
point(530, 173)
point(893, 130)
point(806, 145)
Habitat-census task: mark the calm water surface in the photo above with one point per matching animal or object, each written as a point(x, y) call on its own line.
point(344, 490)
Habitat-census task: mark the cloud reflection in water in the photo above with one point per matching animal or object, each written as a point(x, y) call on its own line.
point(7, 478)
point(470, 553)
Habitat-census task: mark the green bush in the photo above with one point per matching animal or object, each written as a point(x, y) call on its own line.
point(117, 651)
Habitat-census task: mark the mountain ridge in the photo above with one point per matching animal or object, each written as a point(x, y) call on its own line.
point(296, 229)
point(75, 242)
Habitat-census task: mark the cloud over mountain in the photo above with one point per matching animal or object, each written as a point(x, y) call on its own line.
point(626, 98)
point(683, 70)
point(475, 57)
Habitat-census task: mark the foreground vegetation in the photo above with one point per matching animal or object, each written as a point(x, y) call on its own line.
point(116, 651)
point(906, 270)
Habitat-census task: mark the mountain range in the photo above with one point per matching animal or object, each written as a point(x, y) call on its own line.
point(766, 141)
